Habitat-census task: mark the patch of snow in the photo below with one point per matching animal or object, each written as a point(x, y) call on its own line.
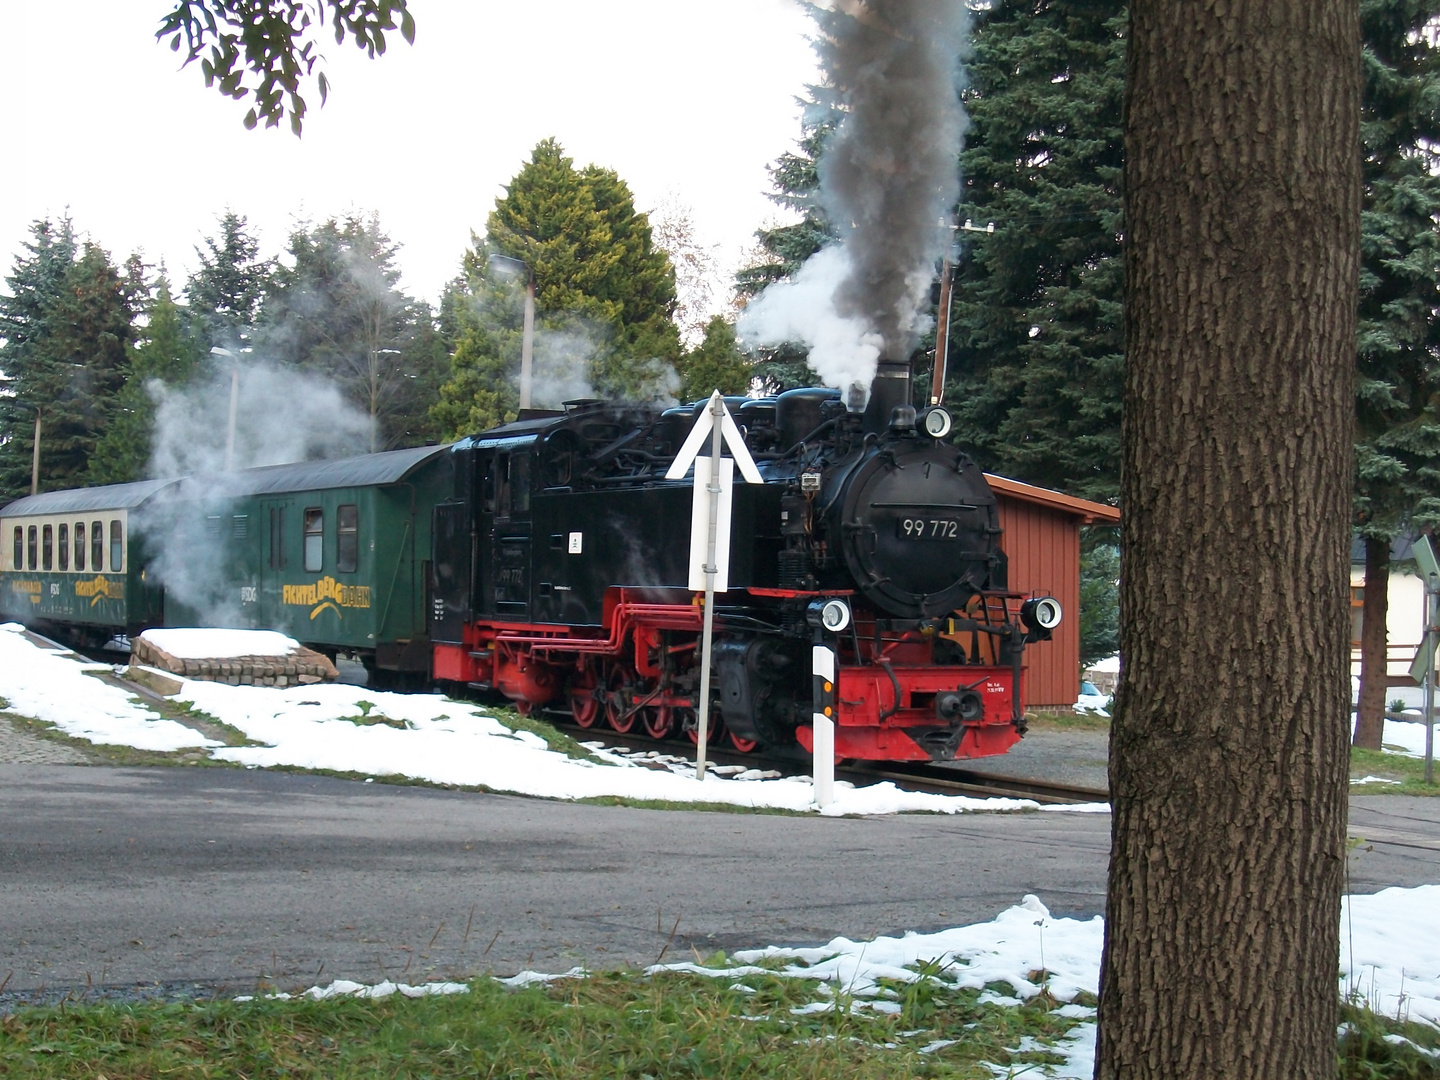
point(1407, 738)
point(1373, 780)
point(1093, 703)
point(56, 689)
point(1390, 952)
point(526, 978)
point(210, 644)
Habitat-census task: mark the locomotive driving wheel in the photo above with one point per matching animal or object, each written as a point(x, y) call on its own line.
point(713, 736)
point(619, 713)
point(584, 706)
point(658, 720)
point(745, 746)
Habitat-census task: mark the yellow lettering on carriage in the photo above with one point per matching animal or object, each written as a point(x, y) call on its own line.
point(326, 591)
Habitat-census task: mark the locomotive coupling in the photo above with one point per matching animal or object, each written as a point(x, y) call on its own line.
point(958, 706)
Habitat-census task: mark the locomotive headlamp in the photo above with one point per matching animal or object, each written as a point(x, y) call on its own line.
point(1042, 613)
point(936, 422)
point(832, 615)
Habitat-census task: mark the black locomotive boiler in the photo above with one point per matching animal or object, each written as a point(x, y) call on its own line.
point(560, 570)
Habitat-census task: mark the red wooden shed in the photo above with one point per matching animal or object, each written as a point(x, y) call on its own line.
point(1042, 543)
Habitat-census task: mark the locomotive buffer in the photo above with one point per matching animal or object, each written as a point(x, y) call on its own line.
point(710, 528)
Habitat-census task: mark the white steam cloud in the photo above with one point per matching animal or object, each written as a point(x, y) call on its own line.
point(282, 415)
point(889, 182)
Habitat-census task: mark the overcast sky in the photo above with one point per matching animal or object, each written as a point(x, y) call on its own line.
point(684, 100)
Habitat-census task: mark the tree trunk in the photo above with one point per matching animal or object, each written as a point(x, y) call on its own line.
point(1229, 745)
point(1370, 710)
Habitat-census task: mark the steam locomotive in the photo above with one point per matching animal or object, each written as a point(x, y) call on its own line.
point(548, 560)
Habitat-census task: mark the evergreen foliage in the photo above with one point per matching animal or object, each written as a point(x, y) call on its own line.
point(66, 328)
point(604, 297)
point(1397, 452)
point(339, 311)
point(1099, 595)
point(1036, 339)
point(167, 354)
point(225, 293)
point(717, 363)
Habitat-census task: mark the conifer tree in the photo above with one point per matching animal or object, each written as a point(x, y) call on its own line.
point(604, 297)
point(717, 363)
point(1036, 341)
point(66, 324)
point(225, 293)
point(1397, 453)
point(165, 355)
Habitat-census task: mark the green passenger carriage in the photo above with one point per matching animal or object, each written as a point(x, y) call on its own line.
point(72, 557)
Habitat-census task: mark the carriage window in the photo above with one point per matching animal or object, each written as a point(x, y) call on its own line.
point(34, 547)
point(347, 540)
point(314, 538)
point(47, 547)
point(277, 539)
point(79, 545)
point(19, 563)
point(117, 548)
point(97, 547)
point(64, 541)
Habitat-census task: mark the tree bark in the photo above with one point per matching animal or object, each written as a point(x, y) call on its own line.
point(1370, 710)
point(1229, 746)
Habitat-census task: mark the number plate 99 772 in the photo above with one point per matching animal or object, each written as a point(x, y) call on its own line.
point(919, 528)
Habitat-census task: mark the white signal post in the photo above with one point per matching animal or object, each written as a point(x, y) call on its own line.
point(711, 539)
point(1423, 669)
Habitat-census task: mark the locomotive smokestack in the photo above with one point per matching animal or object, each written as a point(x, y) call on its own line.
point(890, 389)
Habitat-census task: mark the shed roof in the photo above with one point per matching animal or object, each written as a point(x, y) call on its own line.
point(388, 467)
point(84, 500)
point(1089, 513)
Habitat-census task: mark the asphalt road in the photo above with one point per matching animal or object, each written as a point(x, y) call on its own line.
point(223, 877)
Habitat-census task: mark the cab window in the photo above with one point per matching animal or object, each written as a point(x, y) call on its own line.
point(117, 548)
point(347, 540)
point(97, 547)
point(314, 539)
point(19, 563)
point(47, 547)
point(34, 559)
point(63, 539)
point(79, 545)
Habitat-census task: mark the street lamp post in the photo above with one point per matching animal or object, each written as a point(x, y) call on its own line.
point(527, 340)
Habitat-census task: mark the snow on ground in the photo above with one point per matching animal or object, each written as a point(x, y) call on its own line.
point(1407, 737)
point(422, 736)
point(55, 688)
point(1389, 956)
point(211, 644)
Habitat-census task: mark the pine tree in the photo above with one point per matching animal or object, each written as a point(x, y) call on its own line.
point(225, 293)
point(1036, 342)
point(66, 324)
point(604, 297)
point(717, 363)
point(1397, 454)
point(166, 354)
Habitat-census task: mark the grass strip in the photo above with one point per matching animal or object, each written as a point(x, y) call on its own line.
point(611, 1025)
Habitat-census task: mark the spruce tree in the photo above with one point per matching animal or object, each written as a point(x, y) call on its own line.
point(1397, 453)
point(604, 297)
point(225, 293)
point(66, 324)
point(166, 354)
point(1036, 341)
